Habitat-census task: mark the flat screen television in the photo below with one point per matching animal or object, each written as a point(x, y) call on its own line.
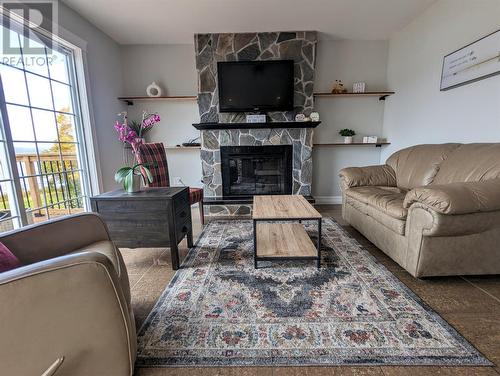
point(246, 86)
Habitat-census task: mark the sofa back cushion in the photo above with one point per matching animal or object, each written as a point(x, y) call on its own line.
point(418, 165)
point(469, 163)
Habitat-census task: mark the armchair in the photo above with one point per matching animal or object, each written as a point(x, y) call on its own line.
point(67, 311)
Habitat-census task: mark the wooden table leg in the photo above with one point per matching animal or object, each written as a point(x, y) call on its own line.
point(319, 243)
point(189, 237)
point(255, 244)
point(174, 254)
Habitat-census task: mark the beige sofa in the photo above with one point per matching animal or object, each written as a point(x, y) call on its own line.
point(68, 310)
point(434, 209)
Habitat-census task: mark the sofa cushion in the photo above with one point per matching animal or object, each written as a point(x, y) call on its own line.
point(470, 162)
point(380, 216)
point(418, 165)
point(108, 249)
point(386, 199)
point(8, 260)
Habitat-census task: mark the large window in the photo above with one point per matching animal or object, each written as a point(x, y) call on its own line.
point(44, 170)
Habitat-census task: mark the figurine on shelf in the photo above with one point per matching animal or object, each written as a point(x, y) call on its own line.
point(338, 87)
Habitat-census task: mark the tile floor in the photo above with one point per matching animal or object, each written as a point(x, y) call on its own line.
point(470, 304)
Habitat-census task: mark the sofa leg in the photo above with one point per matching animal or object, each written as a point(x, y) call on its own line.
point(202, 213)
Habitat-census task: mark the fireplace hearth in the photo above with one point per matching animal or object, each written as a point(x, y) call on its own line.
point(256, 170)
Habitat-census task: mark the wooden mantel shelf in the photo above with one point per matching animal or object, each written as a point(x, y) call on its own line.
point(268, 125)
point(380, 94)
point(130, 100)
point(376, 144)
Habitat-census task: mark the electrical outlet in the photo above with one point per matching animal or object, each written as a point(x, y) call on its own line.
point(177, 181)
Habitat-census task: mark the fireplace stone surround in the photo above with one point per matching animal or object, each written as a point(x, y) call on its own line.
point(211, 140)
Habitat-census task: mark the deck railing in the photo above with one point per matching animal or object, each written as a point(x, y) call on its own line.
point(52, 182)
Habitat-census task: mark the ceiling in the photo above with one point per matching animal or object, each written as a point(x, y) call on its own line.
point(175, 21)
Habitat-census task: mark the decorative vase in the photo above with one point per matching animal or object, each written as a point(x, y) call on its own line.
point(136, 184)
point(348, 140)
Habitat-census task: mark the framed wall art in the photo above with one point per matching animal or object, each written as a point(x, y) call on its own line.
point(476, 61)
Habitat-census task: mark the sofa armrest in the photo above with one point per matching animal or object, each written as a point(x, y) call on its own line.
point(458, 198)
point(382, 175)
point(56, 237)
point(70, 307)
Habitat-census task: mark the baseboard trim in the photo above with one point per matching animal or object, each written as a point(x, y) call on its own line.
point(328, 200)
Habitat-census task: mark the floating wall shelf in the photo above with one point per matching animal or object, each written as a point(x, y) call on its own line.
point(376, 144)
point(181, 147)
point(380, 94)
point(130, 100)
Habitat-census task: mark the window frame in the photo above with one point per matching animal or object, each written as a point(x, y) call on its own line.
point(84, 132)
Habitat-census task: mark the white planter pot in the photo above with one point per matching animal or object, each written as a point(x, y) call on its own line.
point(136, 184)
point(348, 140)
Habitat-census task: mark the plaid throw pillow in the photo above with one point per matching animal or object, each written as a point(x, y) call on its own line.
point(153, 155)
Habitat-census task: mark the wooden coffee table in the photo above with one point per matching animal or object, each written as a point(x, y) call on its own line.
point(288, 241)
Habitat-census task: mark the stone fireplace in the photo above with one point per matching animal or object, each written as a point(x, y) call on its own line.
point(299, 46)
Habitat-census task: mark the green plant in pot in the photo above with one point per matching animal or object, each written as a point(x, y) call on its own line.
point(347, 134)
point(131, 177)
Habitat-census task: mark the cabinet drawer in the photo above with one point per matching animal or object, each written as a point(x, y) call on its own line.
point(131, 206)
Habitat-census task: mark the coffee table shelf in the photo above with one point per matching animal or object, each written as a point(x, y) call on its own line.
point(278, 231)
point(276, 240)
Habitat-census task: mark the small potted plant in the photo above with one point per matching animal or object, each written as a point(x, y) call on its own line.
point(131, 177)
point(347, 134)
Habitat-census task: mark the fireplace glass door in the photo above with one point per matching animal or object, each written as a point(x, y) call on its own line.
point(256, 170)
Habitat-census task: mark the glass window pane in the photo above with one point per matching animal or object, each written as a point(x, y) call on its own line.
point(66, 127)
point(13, 55)
point(26, 158)
point(62, 97)
point(20, 123)
point(58, 66)
point(36, 63)
point(39, 91)
point(45, 125)
point(4, 165)
point(76, 206)
point(14, 85)
point(8, 207)
point(59, 210)
point(8, 224)
point(37, 216)
point(74, 184)
point(70, 161)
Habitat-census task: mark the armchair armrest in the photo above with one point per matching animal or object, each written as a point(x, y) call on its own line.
point(458, 198)
point(56, 237)
point(382, 175)
point(70, 307)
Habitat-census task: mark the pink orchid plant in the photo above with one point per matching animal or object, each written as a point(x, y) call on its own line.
point(134, 132)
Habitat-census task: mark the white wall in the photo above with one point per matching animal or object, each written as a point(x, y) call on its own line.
point(350, 61)
point(102, 58)
point(173, 68)
point(419, 112)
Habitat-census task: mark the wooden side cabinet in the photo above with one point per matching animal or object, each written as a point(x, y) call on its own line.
point(153, 217)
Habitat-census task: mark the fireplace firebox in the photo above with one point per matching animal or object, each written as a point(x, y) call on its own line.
point(256, 170)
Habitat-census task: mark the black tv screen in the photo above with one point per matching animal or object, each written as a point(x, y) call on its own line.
point(246, 86)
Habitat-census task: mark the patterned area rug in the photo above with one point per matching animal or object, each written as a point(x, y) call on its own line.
point(218, 310)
